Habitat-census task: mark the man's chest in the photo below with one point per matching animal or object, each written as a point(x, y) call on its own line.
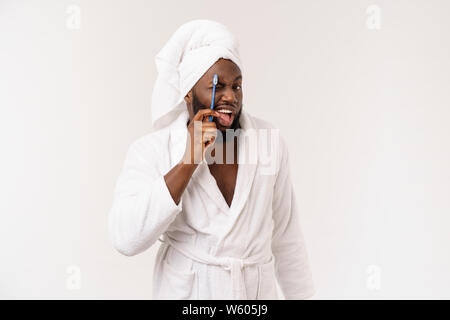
point(225, 176)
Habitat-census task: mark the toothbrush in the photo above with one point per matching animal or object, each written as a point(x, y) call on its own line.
point(215, 80)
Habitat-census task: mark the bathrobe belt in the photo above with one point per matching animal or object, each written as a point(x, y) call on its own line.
point(236, 265)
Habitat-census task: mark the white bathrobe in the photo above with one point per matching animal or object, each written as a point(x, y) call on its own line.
point(210, 250)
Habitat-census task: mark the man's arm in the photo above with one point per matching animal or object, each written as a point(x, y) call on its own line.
point(288, 246)
point(178, 178)
point(199, 138)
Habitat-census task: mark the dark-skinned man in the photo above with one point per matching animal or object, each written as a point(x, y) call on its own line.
point(219, 193)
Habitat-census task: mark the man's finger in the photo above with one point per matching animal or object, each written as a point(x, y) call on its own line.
point(209, 129)
point(207, 124)
point(208, 136)
point(202, 113)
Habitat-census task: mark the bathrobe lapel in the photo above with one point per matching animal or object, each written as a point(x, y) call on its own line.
point(246, 172)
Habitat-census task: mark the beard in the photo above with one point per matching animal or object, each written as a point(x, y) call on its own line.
point(196, 106)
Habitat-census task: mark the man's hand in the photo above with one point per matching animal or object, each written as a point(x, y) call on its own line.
point(201, 134)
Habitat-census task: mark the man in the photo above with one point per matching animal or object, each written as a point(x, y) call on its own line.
point(230, 224)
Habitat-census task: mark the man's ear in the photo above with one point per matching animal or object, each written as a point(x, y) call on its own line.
point(188, 97)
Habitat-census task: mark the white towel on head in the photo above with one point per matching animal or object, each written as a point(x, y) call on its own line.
point(190, 52)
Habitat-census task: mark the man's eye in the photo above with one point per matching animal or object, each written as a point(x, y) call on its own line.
point(238, 87)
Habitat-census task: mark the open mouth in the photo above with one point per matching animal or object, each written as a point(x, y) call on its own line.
point(226, 115)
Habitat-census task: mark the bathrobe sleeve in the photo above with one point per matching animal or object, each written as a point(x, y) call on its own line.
point(142, 205)
point(292, 267)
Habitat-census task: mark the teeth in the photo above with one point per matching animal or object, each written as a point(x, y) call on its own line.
point(225, 111)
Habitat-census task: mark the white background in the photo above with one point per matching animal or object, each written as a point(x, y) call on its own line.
point(365, 113)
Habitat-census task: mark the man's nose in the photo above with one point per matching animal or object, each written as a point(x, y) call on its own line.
point(228, 96)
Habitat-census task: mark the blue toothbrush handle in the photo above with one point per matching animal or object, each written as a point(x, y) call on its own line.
point(213, 94)
point(212, 102)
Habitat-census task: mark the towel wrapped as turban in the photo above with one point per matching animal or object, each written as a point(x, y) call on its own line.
point(190, 52)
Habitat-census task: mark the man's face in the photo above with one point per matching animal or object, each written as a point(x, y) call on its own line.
point(228, 94)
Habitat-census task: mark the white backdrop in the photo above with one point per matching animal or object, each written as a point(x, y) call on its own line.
point(360, 90)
